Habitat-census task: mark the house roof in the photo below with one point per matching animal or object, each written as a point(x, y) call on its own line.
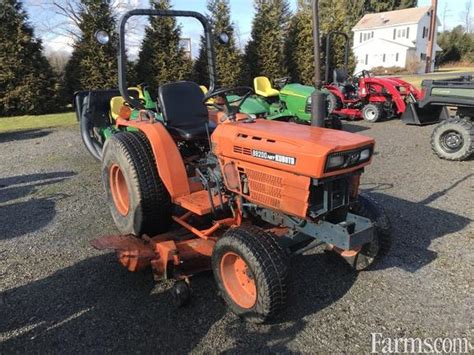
point(391, 18)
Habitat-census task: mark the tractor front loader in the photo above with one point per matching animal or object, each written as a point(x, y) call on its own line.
point(238, 198)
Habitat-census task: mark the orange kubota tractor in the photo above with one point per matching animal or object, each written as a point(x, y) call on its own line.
point(238, 198)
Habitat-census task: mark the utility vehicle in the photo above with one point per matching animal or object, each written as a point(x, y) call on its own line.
point(453, 137)
point(238, 198)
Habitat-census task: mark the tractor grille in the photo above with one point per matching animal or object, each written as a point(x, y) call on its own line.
point(240, 150)
point(265, 188)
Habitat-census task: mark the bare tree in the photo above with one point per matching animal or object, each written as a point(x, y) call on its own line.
point(446, 10)
point(466, 16)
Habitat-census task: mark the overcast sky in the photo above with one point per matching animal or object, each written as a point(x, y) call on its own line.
point(48, 23)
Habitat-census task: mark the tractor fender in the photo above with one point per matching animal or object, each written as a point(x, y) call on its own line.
point(168, 159)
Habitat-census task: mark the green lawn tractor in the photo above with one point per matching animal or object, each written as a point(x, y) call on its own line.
point(97, 110)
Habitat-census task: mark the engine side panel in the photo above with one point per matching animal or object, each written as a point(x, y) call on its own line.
point(272, 188)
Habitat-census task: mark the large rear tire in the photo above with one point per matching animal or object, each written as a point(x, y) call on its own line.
point(251, 268)
point(453, 139)
point(138, 199)
point(367, 207)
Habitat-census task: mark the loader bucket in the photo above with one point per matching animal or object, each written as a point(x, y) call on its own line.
point(430, 114)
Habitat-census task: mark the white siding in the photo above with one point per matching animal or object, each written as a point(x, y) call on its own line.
point(375, 51)
point(409, 43)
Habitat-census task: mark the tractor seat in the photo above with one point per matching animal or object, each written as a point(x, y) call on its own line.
point(341, 79)
point(184, 113)
point(263, 87)
point(117, 102)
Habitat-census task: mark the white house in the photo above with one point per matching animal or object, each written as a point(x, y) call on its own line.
point(393, 39)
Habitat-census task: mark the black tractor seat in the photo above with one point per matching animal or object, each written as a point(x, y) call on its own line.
point(341, 80)
point(184, 113)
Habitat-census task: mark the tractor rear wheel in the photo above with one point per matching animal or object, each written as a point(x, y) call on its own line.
point(138, 200)
point(250, 268)
point(367, 207)
point(453, 139)
point(333, 103)
point(372, 112)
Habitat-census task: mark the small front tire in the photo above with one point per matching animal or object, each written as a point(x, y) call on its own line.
point(372, 113)
point(367, 207)
point(250, 268)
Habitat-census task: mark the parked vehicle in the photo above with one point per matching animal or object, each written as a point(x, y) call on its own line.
point(453, 137)
point(364, 95)
point(237, 198)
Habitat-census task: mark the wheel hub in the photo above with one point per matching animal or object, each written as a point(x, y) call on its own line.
point(119, 189)
point(238, 280)
point(451, 141)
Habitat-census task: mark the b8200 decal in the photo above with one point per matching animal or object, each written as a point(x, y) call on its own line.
point(278, 158)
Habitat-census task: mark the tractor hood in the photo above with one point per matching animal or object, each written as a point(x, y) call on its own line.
point(297, 90)
point(291, 147)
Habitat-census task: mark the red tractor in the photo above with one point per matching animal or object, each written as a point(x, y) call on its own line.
point(363, 95)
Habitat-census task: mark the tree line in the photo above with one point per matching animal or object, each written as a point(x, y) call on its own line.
point(280, 45)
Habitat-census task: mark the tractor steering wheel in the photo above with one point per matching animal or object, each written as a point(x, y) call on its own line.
point(226, 107)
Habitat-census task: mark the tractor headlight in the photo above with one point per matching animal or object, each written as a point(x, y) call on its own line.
point(348, 159)
point(307, 108)
point(334, 162)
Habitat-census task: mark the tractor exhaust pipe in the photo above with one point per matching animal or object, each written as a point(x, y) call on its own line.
point(318, 99)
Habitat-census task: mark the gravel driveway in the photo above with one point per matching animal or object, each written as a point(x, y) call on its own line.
point(59, 295)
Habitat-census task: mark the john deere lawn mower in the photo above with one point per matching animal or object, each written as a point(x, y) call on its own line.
point(238, 198)
point(453, 137)
point(97, 110)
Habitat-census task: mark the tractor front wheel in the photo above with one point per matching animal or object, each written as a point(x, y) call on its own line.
point(372, 112)
point(138, 200)
point(367, 207)
point(250, 268)
point(453, 139)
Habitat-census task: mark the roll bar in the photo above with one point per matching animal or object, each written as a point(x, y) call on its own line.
point(329, 39)
point(122, 59)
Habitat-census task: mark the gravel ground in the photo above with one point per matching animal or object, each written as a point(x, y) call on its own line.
point(59, 295)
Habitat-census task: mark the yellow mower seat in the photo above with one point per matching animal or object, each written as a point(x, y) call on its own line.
point(263, 87)
point(205, 91)
point(117, 102)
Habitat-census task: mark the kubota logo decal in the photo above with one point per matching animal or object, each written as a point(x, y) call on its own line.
point(278, 158)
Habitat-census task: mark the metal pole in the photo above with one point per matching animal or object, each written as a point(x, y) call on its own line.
point(432, 35)
point(318, 99)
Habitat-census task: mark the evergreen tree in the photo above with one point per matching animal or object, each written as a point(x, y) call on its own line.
point(161, 59)
point(264, 53)
point(92, 65)
point(26, 78)
point(200, 72)
point(228, 60)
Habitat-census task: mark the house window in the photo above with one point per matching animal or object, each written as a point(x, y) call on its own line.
point(394, 33)
point(396, 57)
point(422, 56)
point(408, 32)
point(403, 33)
point(372, 34)
point(366, 59)
point(424, 32)
point(383, 58)
point(361, 37)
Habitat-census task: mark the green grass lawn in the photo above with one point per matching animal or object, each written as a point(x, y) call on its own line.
point(22, 123)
